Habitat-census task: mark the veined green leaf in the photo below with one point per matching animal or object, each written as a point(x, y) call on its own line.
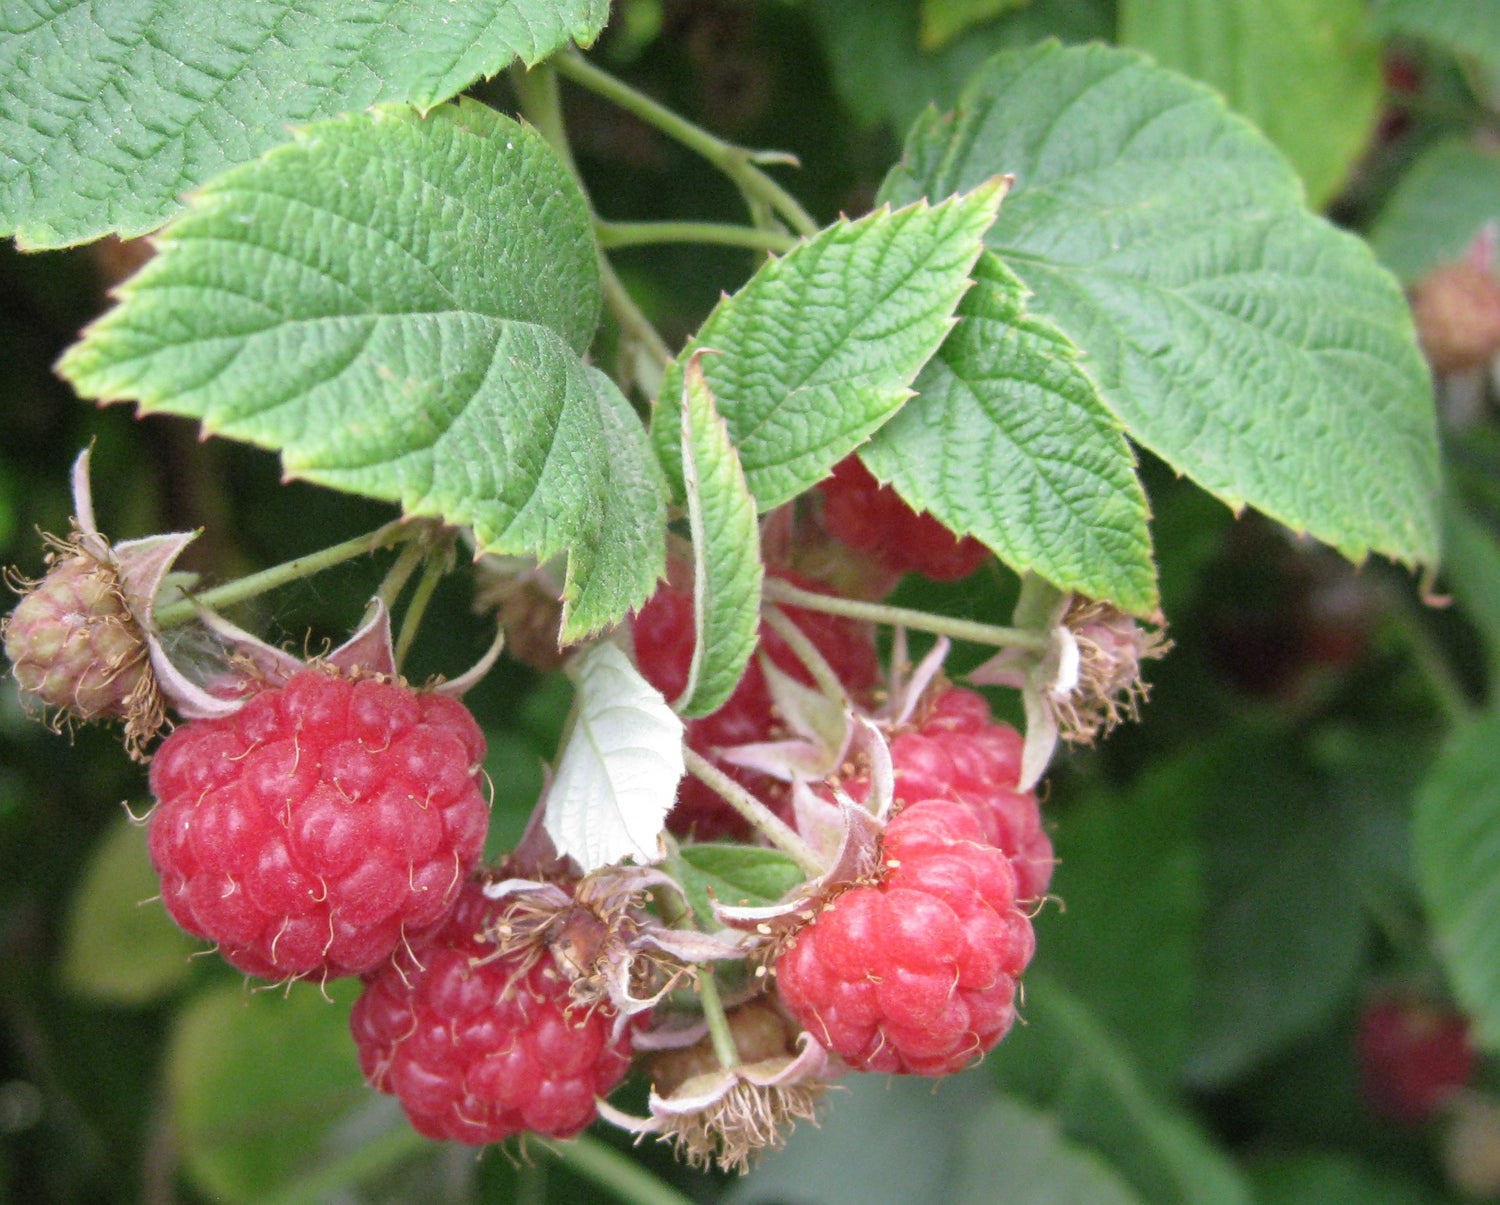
point(739, 875)
point(1249, 343)
point(1008, 440)
point(111, 111)
point(1307, 72)
point(822, 345)
point(398, 306)
point(727, 569)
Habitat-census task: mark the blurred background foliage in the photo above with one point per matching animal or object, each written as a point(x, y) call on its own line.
point(1239, 891)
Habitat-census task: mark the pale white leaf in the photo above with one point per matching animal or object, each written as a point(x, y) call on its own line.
point(620, 764)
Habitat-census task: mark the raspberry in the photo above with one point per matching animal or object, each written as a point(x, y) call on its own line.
point(314, 829)
point(872, 517)
point(73, 642)
point(478, 1046)
point(958, 751)
point(663, 631)
point(1413, 1055)
point(917, 972)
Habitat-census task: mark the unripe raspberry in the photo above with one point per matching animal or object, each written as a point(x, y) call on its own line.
point(872, 517)
point(1456, 308)
point(917, 972)
point(319, 826)
point(479, 1046)
point(663, 632)
point(73, 643)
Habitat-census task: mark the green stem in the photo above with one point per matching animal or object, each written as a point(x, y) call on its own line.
point(734, 161)
point(781, 591)
point(541, 103)
point(633, 323)
point(612, 235)
point(437, 565)
point(718, 1023)
point(1447, 691)
point(289, 571)
point(807, 652)
point(400, 573)
point(372, 1158)
point(758, 814)
point(596, 1160)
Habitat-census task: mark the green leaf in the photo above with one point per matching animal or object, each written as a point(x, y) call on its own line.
point(883, 75)
point(399, 305)
point(1013, 1154)
point(1285, 930)
point(1471, 565)
point(120, 946)
point(261, 1083)
point(886, 1140)
point(1455, 835)
point(1329, 1179)
point(736, 874)
point(822, 345)
point(1007, 440)
point(111, 111)
point(1466, 28)
point(1250, 344)
point(619, 765)
point(1130, 876)
point(1307, 72)
point(1065, 1061)
point(1445, 198)
point(944, 20)
point(727, 570)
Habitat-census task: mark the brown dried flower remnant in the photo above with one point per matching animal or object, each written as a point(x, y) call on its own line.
point(717, 1115)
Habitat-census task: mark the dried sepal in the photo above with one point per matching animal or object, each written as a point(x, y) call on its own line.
point(717, 1115)
point(1085, 679)
point(603, 937)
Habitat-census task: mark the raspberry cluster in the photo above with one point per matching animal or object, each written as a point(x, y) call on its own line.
point(664, 640)
point(321, 825)
point(915, 972)
point(478, 1046)
point(862, 513)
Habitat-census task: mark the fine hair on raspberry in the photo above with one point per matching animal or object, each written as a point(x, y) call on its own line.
point(478, 1046)
point(320, 826)
point(916, 972)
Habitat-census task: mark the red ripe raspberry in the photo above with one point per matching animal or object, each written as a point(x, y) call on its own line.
point(478, 1046)
point(664, 638)
point(322, 823)
point(958, 751)
point(1413, 1054)
point(916, 973)
point(872, 517)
